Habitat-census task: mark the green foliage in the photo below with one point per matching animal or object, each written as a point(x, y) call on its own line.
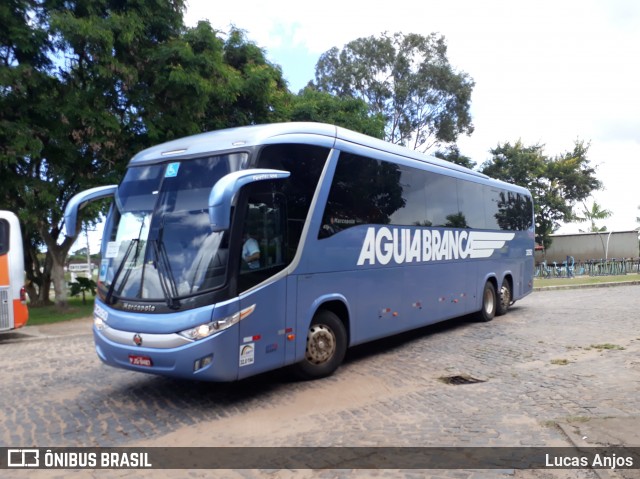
point(556, 184)
point(262, 93)
point(593, 214)
point(353, 113)
point(83, 286)
point(87, 84)
point(452, 154)
point(408, 80)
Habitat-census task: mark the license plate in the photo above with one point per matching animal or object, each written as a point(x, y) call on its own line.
point(140, 360)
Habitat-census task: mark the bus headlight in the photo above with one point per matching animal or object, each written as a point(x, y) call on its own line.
point(98, 323)
point(204, 330)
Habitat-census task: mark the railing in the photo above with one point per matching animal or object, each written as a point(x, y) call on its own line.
point(592, 267)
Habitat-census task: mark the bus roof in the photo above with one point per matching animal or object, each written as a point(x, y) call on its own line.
point(230, 139)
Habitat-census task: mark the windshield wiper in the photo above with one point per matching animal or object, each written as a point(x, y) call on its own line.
point(167, 281)
point(112, 286)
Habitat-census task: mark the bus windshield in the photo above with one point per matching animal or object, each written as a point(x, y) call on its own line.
point(160, 242)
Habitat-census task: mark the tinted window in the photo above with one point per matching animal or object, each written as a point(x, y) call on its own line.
point(515, 211)
point(305, 163)
point(277, 210)
point(526, 208)
point(471, 201)
point(4, 236)
point(414, 194)
point(264, 250)
point(135, 193)
point(189, 189)
point(507, 210)
point(442, 202)
point(369, 191)
point(363, 191)
point(493, 200)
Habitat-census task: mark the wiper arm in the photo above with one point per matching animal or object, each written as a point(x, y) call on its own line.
point(112, 286)
point(167, 281)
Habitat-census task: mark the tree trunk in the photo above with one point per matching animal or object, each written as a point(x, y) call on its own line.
point(59, 283)
point(54, 264)
point(45, 287)
point(38, 275)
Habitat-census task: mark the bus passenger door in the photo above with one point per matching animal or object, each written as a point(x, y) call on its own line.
point(263, 292)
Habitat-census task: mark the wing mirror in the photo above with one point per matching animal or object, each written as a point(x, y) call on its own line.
point(79, 201)
point(223, 192)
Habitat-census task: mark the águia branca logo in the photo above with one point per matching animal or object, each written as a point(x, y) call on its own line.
point(406, 245)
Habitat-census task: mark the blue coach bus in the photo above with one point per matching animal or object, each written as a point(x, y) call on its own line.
point(239, 251)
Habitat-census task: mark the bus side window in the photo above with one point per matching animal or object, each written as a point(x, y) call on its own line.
point(4, 236)
point(263, 239)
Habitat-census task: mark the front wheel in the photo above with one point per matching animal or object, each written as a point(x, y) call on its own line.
point(326, 347)
point(489, 303)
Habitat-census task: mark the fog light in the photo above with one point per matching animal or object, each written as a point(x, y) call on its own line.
point(202, 362)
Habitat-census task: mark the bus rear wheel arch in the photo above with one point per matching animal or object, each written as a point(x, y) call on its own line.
point(326, 346)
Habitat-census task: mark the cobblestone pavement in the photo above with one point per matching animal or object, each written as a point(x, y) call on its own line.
point(557, 360)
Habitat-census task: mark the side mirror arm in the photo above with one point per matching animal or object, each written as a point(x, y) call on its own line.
point(79, 201)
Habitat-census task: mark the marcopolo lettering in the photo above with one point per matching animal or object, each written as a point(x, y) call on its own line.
point(405, 245)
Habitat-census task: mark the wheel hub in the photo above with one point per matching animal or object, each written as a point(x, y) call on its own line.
point(321, 344)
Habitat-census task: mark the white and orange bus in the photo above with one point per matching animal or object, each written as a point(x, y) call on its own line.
point(13, 305)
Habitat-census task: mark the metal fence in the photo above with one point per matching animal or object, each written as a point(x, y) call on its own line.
point(592, 267)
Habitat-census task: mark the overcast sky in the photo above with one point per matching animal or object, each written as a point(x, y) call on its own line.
point(547, 72)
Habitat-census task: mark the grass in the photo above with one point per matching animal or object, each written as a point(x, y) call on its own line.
point(582, 280)
point(53, 314)
point(560, 362)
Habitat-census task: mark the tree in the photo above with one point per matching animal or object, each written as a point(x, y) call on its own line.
point(262, 93)
point(353, 113)
point(593, 214)
point(452, 154)
point(86, 84)
point(199, 81)
point(556, 184)
point(83, 286)
point(408, 80)
point(65, 109)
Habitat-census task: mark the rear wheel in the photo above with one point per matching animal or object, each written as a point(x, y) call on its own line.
point(504, 301)
point(489, 303)
point(326, 347)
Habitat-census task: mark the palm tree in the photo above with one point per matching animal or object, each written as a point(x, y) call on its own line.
point(594, 214)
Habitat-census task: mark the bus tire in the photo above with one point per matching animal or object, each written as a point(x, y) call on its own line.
point(489, 303)
point(326, 347)
point(504, 299)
